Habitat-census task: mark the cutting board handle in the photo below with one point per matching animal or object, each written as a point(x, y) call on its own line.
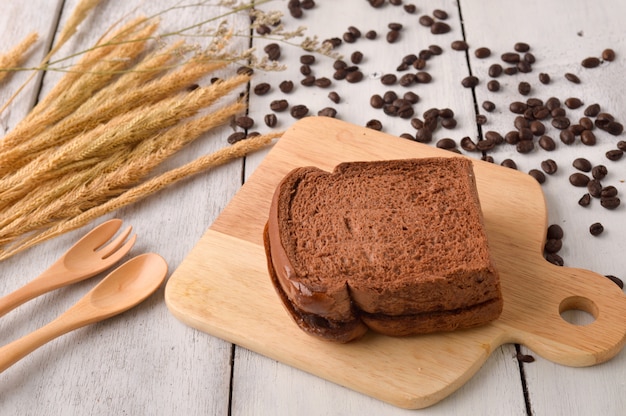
point(540, 325)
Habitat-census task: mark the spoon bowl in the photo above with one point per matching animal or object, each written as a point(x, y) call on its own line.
point(123, 288)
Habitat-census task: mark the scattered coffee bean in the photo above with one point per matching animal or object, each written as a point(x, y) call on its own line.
point(435, 50)
point(573, 103)
point(555, 232)
point(616, 280)
point(354, 77)
point(273, 51)
point(388, 79)
point(567, 136)
point(270, 120)
point(610, 202)
point(553, 245)
point(521, 47)
point(411, 97)
point(481, 119)
point(595, 188)
point(579, 179)
point(538, 175)
point(468, 144)
point(518, 107)
point(440, 14)
point(236, 137)
point(469, 81)
point(544, 78)
point(371, 34)
point(572, 78)
point(426, 20)
point(596, 229)
point(377, 101)
point(459, 45)
point(585, 200)
point(592, 110)
point(582, 164)
point(286, 87)
point(608, 191)
point(244, 122)
point(525, 146)
point(493, 85)
point(279, 105)
point(448, 123)
point(509, 163)
point(608, 55)
point(356, 57)
point(482, 53)
point(587, 137)
point(374, 125)
point(334, 97)
point(591, 62)
point(523, 88)
point(446, 143)
point(323, 82)
point(299, 111)
point(560, 123)
point(549, 166)
point(555, 259)
point(614, 154)
point(546, 143)
point(308, 81)
point(439, 28)
point(424, 135)
point(262, 88)
point(614, 128)
point(327, 112)
point(307, 59)
point(586, 123)
point(599, 172)
point(393, 36)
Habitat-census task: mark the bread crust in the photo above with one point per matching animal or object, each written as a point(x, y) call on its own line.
point(394, 302)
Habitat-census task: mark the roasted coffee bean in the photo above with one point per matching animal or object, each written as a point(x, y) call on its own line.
point(567, 137)
point(389, 97)
point(355, 31)
point(614, 128)
point(523, 88)
point(525, 134)
point(560, 123)
point(263, 30)
point(482, 53)
point(333, 42)
point(538, 175)
point(621, 145)
point(610, 202)
point(273, 51)
point(334, 97)
point(512, 137)
point(486, 144)
point(446, 143)
point(509, 163)
point(448, 123)
point(307, 4)
point(534, 102)
point(592, 110)
point(416, 123)
point(553, 103)
point(525, 146)
point(424, 135)
point(576, 129)
point(608, 55)
point(411, 97)
point(481, 119)
point(409, 8)
point(299, 111)
point(423, 77)
point(356, 57)
point(262, 88)
point(286, 87)
point(307, 59)
point(459, 45)
point(537, 128)
point(439, 28)
point(236, 137)
point(426, 20)
point(374, 125)
point(553, 245)
point(425, 54)
point(468, 144)
point(558, 112)
point(595, 188)
point(279, 105)
point(549, 166)
point(323, 82)
point(419, 64)
point(377, 101)
point(596, 229)
point(544, 78)
point(348, 37)
point(435, 50)
point(296, 11)
point(390, 110)
point(495, 70)
point(590, 62)
point(579, 179)
point(494, 136)
point(616, 280)
point(388, 79)
point(430, 123)
point(555, 259)
point(572, 78)
point(327, 112)
point(573, 103)
point(608, 191)
point(586, 123)
point(440, 14)
point(371, 34)
point(546, 143)
point(599, 172)
point(614, 154)
point(540, 112)
point(488, 106)
point(469, 81)
point(524, 66)
point(585, 200)
point(394, 26)
point(588, 138)
point(518, 107)
point(555, 232)
point(354, 77)
point(244, 122)
point(270, 120)
point(582, 164)
point(521, 47)
point(339, 64)
point(510, 57)
point(340, 74)
point(512, 70)
point(244, 70)
point(405, 111)
point(308, 81)
point(407, 136)
point(393, 36)
point(493, 85)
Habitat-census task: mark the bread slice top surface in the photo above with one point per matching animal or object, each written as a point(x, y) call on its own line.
point(395, 237)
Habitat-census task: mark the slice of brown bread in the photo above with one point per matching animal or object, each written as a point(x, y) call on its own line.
point(397, 246)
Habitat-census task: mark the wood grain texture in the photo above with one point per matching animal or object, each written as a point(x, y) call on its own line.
point(222, 287)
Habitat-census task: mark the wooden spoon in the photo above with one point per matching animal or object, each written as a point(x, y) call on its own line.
point(123, 288)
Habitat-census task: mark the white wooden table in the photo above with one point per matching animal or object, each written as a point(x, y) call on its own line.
point(147, 362)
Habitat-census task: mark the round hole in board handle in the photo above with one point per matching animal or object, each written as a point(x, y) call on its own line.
point(578, 310)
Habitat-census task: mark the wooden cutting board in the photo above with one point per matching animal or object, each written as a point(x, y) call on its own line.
point(223, 288)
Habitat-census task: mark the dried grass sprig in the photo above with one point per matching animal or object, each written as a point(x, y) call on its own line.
point(143, 190)
point(16, 56)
